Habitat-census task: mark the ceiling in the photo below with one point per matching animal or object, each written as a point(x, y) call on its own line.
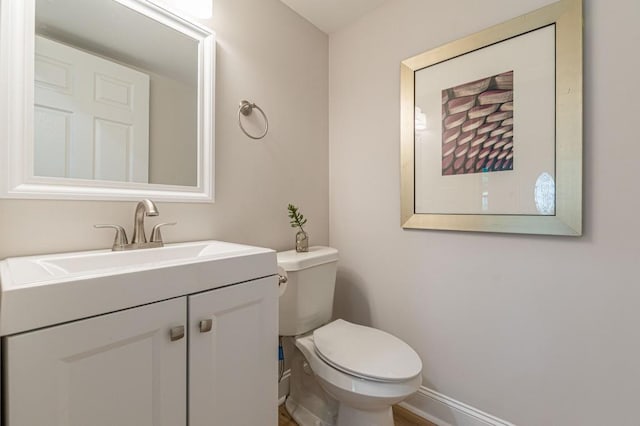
point(331, 15)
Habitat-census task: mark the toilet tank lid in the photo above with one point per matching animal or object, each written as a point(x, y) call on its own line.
point(291, 260)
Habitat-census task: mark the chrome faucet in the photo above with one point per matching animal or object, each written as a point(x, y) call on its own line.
point(144, 208)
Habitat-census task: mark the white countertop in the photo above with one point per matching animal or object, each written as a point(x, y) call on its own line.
point(39, 291)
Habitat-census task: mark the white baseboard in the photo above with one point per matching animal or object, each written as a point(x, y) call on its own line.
point(428, 404)
point(283, 387)
point(445, 411)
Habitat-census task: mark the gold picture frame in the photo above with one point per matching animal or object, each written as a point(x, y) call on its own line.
point(565, 216)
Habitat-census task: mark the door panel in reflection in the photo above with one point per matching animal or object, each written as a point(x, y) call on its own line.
point(92, 116)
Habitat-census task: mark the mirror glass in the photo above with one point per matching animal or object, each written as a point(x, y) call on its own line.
point(115, 95)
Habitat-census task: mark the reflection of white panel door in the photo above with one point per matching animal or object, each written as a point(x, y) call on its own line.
point(91, 116)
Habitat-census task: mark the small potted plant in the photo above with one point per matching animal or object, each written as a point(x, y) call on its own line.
point(298, 221)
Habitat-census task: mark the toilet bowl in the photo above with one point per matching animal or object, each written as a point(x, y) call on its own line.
point(342, 374)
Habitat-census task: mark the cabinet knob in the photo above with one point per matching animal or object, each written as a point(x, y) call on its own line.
point(176, 333)
point(206, 325)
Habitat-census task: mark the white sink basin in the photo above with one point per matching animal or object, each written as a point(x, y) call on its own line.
point(37, 291)
point(92, 262)
point(25, 271)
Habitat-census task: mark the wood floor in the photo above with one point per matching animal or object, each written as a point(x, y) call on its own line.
point(401, 416)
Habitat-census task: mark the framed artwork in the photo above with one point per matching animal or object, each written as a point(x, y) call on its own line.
point(491, 128)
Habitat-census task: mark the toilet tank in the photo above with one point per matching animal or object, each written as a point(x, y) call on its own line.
point(306, 299)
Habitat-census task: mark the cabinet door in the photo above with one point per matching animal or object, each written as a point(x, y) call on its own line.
point(233, 366)
point(117, 369)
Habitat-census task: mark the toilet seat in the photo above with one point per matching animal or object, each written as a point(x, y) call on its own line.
point(366, 352)
point(344, 382)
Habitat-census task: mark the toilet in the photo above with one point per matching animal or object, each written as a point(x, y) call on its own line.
point(342, 374)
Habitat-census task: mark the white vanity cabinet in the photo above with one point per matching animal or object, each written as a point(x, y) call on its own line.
point(125, 368)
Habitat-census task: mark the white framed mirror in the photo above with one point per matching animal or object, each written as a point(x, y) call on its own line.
point(105, 100)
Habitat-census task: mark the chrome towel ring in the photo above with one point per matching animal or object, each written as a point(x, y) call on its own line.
point(246, 108)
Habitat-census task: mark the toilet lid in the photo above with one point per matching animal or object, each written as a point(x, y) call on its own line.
point(366, 352)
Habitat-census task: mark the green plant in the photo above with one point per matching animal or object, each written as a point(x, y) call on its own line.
point(297, 218)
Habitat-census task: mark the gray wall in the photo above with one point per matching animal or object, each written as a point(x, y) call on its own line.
point(536, 330)
point(173, 131)
point(265, 53)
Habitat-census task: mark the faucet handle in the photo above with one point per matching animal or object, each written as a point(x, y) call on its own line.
point(120, 240)
point(156, 236)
